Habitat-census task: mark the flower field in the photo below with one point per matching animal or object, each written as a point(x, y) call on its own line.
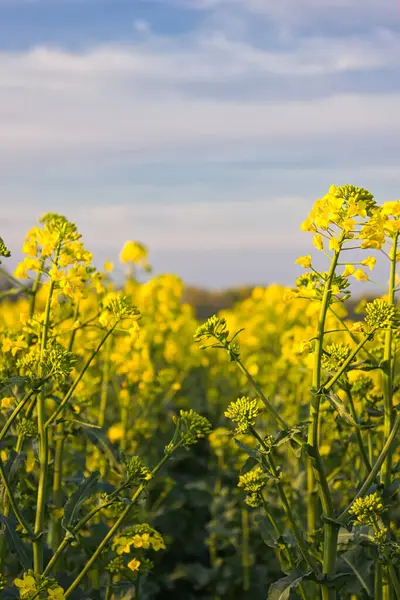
point(253, 456)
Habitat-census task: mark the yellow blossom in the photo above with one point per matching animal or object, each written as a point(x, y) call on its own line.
point(349, 270)
point(334, 244)
point(369, 262)
point(134, 564)
point(360, 275)
point(108, 266)
point(7, 402)
point(304, 261)
point(318, 241)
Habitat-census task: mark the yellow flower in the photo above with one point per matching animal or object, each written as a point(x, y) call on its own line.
point(157, 543)
point(349, 270)
point(356, 327)
point(133, 252)
point(134, 564)
point(318, 241)
point(108, 266)
point(308, 225)
point(115, 432)
point(360, 275)
point(141, 541)
point(334, 244)
point(304, 261)
point(370, 262)
point(7, 402)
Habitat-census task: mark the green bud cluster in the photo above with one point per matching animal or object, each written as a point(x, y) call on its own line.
point(335, 356)
point(380, 314)
point(136, 470)
point(192, 426)
point(367, 510)
point(214, 327)
point(121, 307)
point(116, 565)
point(357, 194)
point(58, 362)
point(27, 428)
point(243, 412)
point(253, 481)
point(4, 251)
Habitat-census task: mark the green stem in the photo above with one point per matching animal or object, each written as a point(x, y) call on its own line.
point(109, 587)
point(388, 370)
point(12, 500)
point(363, 451)
point(59, 461)
point(315, 468)
point(38, 543)
point(104, 385)
point(274, 414)
point(346, 363)
point(378, 582)
point(245, 549)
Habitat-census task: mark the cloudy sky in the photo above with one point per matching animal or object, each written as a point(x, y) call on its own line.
point(202, 128)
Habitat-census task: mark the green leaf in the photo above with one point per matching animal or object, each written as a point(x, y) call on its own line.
point(13, 463)
point(281, 589)
point(288, 434)
point(361, 567)
point(250, 451)
point(14, 541)
point(76, 500)
point(342, 411)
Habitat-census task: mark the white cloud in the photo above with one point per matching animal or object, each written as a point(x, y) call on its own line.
point(135, 99)
point(295, 10)
point(220, 226)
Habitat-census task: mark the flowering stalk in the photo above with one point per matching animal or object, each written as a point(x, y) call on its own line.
point(43, 446)
point(315, 469)
point(387, 375)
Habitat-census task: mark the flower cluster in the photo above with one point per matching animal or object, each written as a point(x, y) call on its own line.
point(136, 470)
point(214, 327)
point(140, 536)
point(380, 314)
point(192, 426)
point(32, 584)
point(338, 211)
point(335, 355)
point(243, 412)
point(4, 251)
point(367, 510)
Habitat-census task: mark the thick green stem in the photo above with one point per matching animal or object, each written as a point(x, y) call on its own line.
point(316, 472)
point(56, 528)
point(38, 543)
point(104, 385)
point(245, 549)
point(387, 374)
point(387, 380)
point(360, 442)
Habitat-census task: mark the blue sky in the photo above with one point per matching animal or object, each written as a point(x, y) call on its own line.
point(203, 128)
